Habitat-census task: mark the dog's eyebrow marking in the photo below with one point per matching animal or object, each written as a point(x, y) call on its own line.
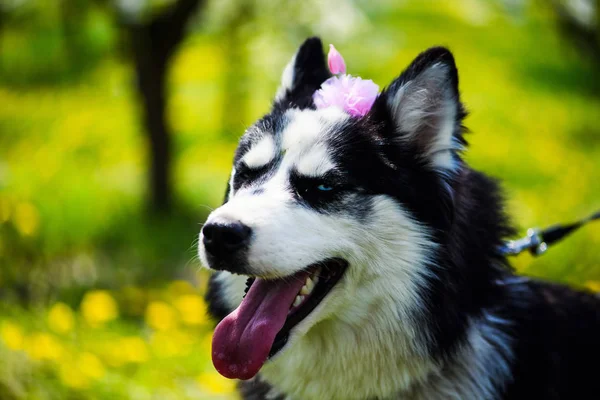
point(306, 127)
point(302, 131)
point(315, 162)
point(261, 153)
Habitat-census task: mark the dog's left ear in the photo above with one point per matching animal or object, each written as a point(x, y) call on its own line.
point(303, 75)
point(423, 109)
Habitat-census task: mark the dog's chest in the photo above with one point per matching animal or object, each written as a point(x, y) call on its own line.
point(366, 369)
point(360, 372)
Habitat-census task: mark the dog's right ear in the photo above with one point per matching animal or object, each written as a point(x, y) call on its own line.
point(424, 110)
point(303, 75)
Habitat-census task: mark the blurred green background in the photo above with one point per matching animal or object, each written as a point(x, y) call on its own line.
point(118, 122)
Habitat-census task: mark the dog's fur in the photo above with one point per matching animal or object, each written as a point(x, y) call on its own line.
point(428, 308)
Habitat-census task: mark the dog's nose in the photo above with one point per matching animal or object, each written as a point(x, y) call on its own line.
point(223, 239)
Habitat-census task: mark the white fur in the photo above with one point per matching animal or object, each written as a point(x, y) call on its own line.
point(307, 127)
point(231, 177)
point(316, 163)
point(233, 287)
point(287, 79)
point(275, 213)
point(261, 153)
point(366, 326)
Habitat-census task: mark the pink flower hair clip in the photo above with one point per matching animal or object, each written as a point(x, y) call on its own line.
point(354, 95)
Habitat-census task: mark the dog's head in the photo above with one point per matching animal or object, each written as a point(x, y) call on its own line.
point(334, 216)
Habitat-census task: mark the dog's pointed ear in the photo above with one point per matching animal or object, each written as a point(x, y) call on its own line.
point(303, 75)
point(424, 109)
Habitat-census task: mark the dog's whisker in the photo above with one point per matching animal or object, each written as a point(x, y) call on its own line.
point(206, 206)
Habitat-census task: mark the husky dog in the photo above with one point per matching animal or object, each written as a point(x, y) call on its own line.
point(357, 258)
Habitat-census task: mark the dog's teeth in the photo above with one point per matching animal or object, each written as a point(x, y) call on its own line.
point(315, 276)
point(305, 290)
point(298, 300)
point(310, 285)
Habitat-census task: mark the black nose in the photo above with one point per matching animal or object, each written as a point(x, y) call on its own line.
point(224, 239)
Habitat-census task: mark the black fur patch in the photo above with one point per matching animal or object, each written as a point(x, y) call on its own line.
point(556, 346)
point(256, 390)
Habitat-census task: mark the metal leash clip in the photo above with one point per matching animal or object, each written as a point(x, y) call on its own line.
point(537, 241)
point(532, 242)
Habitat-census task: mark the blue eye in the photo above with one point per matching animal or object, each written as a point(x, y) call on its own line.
point(324, 188)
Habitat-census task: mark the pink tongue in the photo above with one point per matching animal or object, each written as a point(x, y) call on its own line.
point(242, 341)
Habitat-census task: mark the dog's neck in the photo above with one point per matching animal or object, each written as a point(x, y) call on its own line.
point(333, 362)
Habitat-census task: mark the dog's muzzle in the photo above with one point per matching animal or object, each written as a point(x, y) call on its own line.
point(226, 244)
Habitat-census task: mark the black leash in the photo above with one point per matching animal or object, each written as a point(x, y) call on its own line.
point(537, 241)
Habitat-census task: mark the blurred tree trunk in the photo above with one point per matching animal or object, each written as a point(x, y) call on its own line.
point(585, 36)
point(2, 18)
point(153, 44)
point(73, 13)
point(598, 21)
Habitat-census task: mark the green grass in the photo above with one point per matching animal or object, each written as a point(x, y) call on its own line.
point(72, 187)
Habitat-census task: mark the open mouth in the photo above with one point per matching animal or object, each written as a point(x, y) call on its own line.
point(259, 328)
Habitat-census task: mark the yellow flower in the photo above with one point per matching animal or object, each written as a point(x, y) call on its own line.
point(172, 343)
point(72, 376)
point(42, 346)
point(214, 383)
point(60, 318)
point(133, 349)
point(177, 288)
point(26, 219)
point(160, 316)
point(91, 366)
point(113, 353)
point(594, 286)
point(98, 307)
point(192, 309)
point(12, 335)
point(165, 345)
